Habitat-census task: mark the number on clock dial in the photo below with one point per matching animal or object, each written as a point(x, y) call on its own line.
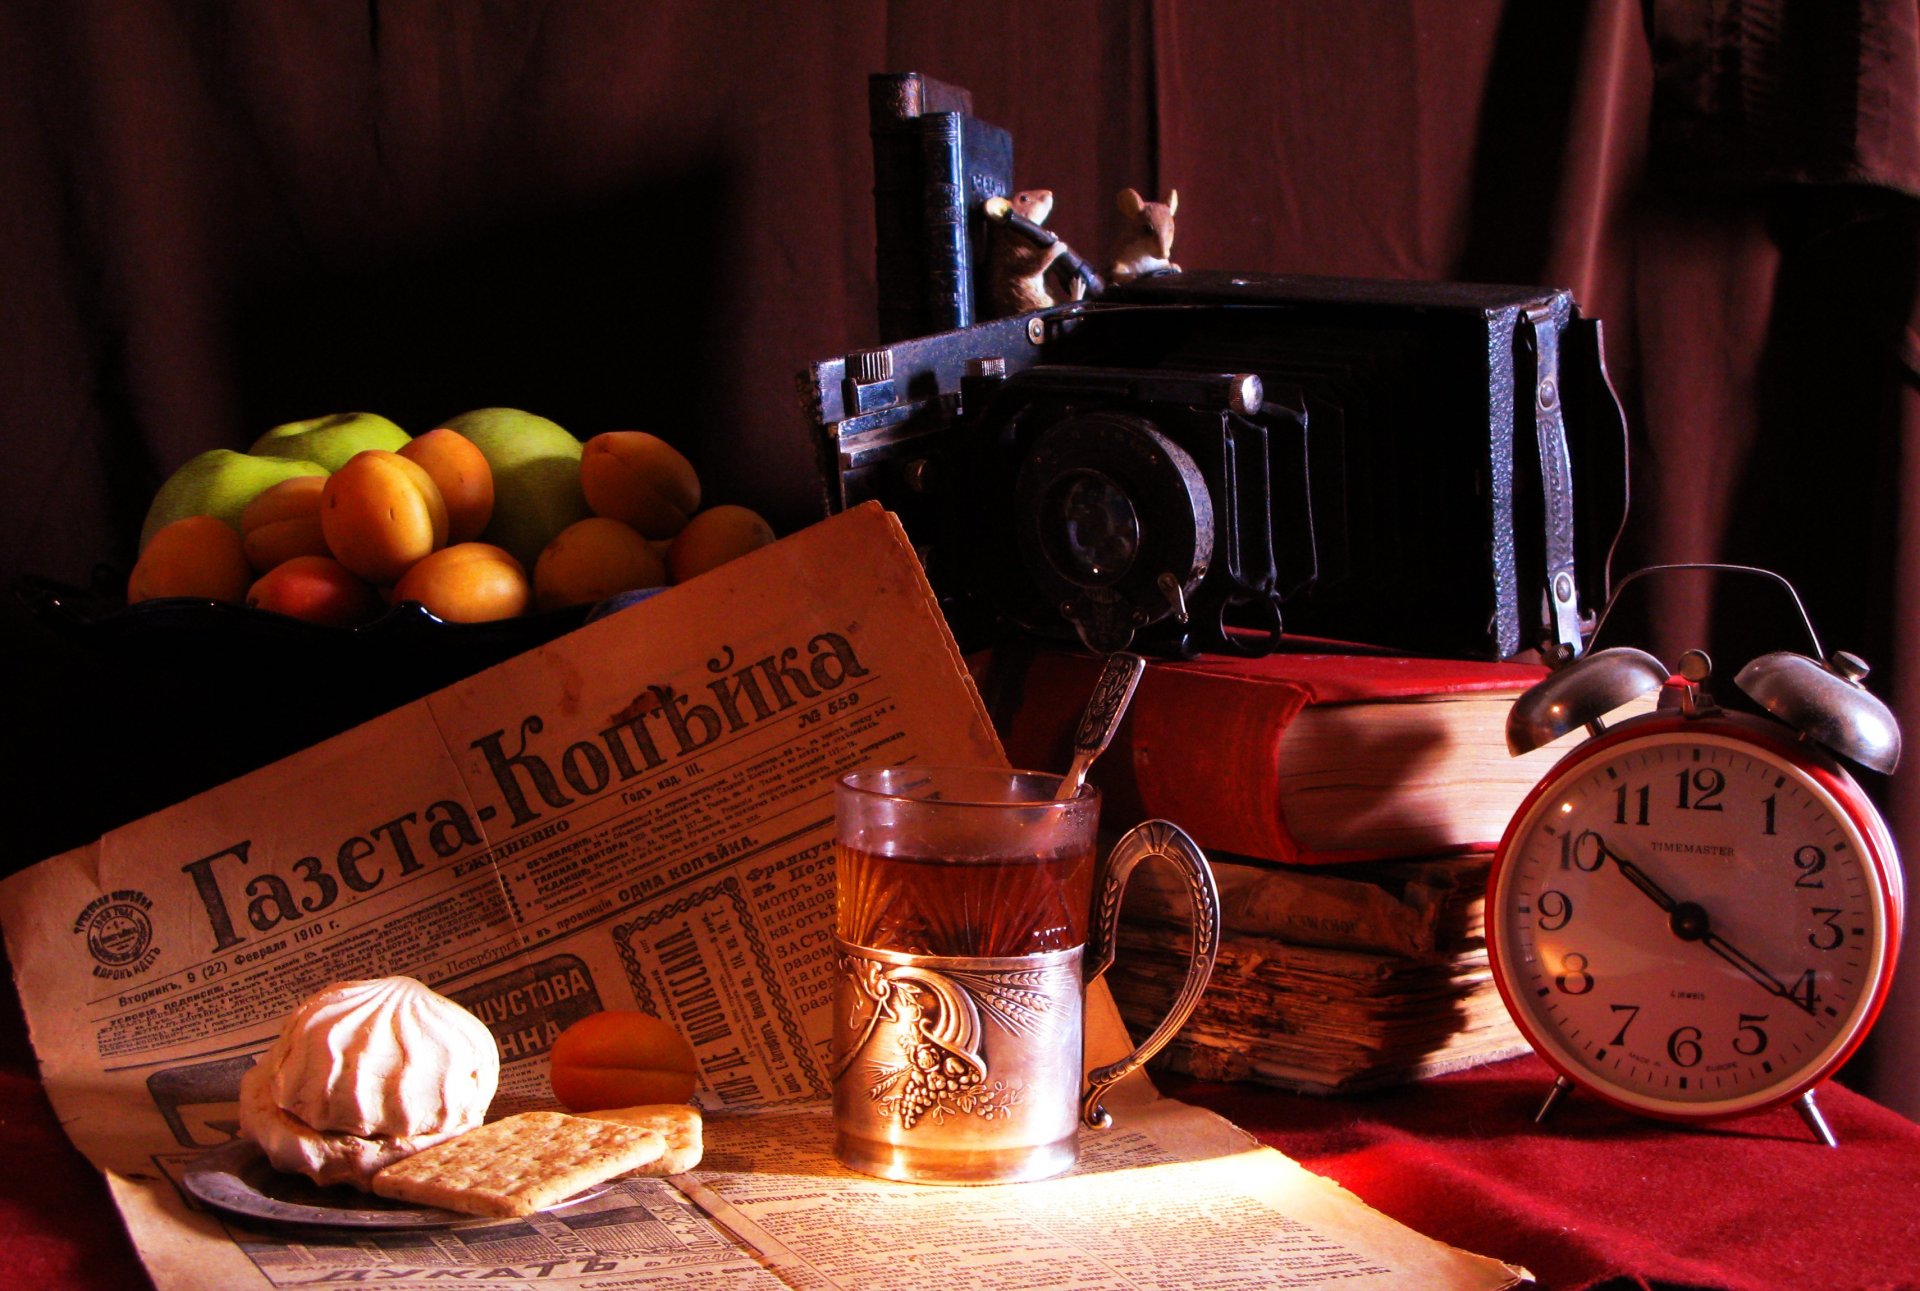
point(1743, 953)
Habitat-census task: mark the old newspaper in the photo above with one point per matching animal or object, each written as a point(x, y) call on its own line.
point(638, 815)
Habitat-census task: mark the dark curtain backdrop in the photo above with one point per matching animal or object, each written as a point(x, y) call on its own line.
point(220, 216)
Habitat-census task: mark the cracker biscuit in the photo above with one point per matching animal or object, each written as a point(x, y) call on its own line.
point(519, 1165)
point(679, 1123)
point(325, 1157)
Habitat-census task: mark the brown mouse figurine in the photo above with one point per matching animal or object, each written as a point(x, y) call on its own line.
point(1019, 258)
point(1146, 243)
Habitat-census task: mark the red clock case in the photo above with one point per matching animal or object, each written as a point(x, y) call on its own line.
point(1824, 771)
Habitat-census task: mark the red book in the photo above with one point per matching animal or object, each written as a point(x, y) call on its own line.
point(1303, 758)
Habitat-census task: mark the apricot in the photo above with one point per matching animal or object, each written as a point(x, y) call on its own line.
point(198, 556)
point(317, 589)
point(466, 481)
point(593, 559)
point(620, 1058)
point(714, 537)
point(639, 479)
point(470, 582)
point(284, 522)
point(381, 513)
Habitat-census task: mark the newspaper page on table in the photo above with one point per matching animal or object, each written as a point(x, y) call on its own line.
point(637, 815)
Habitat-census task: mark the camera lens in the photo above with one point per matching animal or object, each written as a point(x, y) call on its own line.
point(1089, 529)
point(1104, 505)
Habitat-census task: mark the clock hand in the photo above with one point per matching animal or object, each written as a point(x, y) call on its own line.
point(1637, 876)
point(1733, 955)
point(1690, 922)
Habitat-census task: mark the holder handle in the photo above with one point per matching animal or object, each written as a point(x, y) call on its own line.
point(1166, 841)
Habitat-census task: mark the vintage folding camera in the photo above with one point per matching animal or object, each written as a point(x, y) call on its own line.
point(1202, 461)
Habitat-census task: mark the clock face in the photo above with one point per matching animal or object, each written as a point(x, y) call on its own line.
point(1690, 923)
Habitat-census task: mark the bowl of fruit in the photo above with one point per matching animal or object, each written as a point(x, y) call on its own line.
point(341, 567)
point(493, 515)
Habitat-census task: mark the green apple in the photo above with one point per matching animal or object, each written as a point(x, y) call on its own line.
point(330, 441)
point(219, 483)
point(536, 478)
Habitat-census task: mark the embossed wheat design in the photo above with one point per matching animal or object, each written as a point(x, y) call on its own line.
point(1021, 1002)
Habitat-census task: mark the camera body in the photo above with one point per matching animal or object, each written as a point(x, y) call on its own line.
point(1196, 461)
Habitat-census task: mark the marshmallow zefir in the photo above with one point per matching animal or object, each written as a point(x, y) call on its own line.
point(365, 1073)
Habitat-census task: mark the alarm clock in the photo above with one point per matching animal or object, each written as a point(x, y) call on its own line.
point(1695, 914)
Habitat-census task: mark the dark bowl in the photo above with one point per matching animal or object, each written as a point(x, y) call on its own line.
point(408, 635)
point(125, 709)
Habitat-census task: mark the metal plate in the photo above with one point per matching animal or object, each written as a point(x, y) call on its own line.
point(238, 1179)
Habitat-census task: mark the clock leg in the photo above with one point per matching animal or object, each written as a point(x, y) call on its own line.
point(1560, 1087)
point(1810, 1113)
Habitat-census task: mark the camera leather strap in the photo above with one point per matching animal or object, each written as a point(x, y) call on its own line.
point(1556, 479)
point(1068, 259)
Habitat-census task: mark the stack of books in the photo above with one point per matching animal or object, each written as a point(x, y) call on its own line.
point(934, 166)
point(1327, 982)
point(1350, 805)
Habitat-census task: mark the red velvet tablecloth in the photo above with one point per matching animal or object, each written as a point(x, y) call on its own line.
point(1597, 1196)
point(1600, 1196)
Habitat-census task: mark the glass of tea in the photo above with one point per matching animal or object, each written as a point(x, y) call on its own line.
point(971, 914)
